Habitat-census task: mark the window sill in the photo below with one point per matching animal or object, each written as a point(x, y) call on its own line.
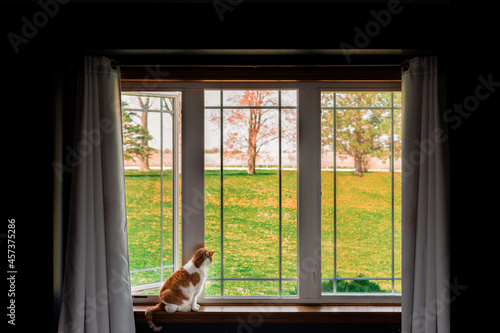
point(379, 314)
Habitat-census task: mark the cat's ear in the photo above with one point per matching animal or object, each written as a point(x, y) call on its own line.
point(211, 253)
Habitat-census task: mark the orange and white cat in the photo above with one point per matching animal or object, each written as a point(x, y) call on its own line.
point(180, 291)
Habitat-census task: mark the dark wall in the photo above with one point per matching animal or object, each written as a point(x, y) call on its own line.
point(76, 26)
point(464, 35)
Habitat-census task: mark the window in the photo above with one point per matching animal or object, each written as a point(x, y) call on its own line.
point(361, 192)
point(251, 192)
point(151, 144)
point(271, 183)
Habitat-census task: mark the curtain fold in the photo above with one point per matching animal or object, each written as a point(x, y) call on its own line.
point(96, 292)
point(425, 229)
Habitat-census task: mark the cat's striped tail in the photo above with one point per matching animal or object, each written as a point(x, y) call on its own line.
point(149, 317)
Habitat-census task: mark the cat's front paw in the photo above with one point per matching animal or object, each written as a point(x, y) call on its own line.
point(195, 307)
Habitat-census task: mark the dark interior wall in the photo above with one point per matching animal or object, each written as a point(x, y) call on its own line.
point(76, 26)
point(465, 35)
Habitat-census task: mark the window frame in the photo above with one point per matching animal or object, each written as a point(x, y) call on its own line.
point(308, 186)
point(278, 108)
point(394, 277)
point(175, 113)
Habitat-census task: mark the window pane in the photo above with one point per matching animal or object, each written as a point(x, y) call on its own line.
point(327, 192)
point(397, 99)
point(250, 98)
point(251, 288)
point(255, 196)
point(360, 192)
point(289, 192)
point(289, 288)
point(145, 277)
point(288, 98)
point(143, 182)
point(327, 99)
point(151, 182)
point(397, 286)
point(360, 99)
point(251, 197)
point(397, 193)
point(213, 189)
point(213, 287)
point(212, 97)
point(364, 224)
point(364, 286)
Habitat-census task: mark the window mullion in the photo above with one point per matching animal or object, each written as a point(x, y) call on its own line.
point(175, 180)
point(309, 194)
point(334, 192)
point(392, 192)
point(222, 193)
point(193, 190)
point(280, 193)
point(161, 191)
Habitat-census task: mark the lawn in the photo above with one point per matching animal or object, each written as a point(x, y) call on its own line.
point(251, 228)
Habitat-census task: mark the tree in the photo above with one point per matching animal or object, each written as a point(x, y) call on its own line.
point(252, 128)
point(249, 129)
point(136, 135)
point(360, 132)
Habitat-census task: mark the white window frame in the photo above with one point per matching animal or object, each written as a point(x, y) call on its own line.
point(175, 184)
point(280, 279)
point(393, 277)
point(309, 183)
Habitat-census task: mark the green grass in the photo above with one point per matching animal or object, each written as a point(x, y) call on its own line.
point(251, 229)
point(364, 225)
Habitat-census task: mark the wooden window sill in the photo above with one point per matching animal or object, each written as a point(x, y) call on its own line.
point(379, 314)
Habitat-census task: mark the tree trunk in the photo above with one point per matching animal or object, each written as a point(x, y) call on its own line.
point(252, 156)
point(144, 159)
point(252, 144)
point(358, 165)
point(143, 163)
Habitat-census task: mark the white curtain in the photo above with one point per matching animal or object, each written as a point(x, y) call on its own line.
point(425, 229)
point(96, 292)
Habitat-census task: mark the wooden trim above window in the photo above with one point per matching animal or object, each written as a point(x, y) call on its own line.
point(383, 73)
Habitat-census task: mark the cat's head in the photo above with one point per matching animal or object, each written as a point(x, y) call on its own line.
point(202, 256)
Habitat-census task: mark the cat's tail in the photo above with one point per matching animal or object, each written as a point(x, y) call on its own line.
point(149, 317)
